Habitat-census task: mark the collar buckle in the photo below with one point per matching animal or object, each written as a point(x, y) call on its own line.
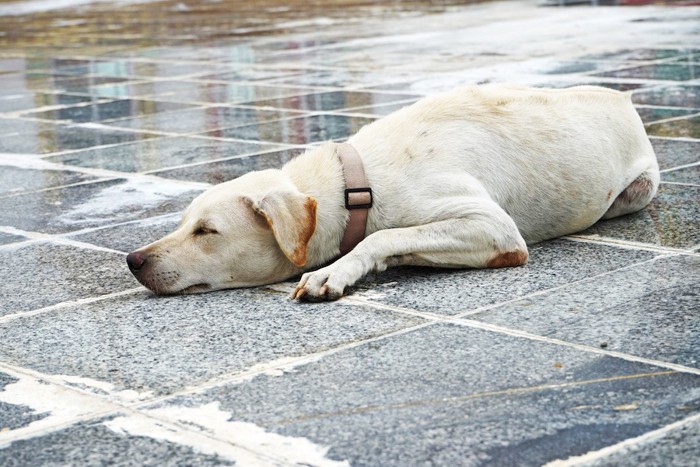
point(358, 198)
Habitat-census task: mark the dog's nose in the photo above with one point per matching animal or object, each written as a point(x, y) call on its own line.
point(135, 260)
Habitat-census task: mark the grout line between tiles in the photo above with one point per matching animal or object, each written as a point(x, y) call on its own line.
point(673, 119)
point(649, 436)
point(626, 244)
point(582, 347)
point(685, 166)
point(694, 185)
point(66, 304)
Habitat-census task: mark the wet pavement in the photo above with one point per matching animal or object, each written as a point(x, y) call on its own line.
point(113, 117)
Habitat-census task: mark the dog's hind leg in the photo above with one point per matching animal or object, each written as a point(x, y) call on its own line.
point(637, 194)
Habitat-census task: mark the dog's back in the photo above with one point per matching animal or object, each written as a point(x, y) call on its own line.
point(554, 160)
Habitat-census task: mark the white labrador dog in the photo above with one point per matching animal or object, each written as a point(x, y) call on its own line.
point(462, 179)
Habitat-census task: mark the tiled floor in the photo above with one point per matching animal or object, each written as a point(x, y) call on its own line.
point(113, 117)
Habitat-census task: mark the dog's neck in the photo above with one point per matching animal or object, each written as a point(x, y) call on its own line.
point(319, 173)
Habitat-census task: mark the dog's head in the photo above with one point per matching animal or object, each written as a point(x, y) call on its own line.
point(250, 231)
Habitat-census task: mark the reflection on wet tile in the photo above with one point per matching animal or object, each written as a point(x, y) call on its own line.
point(674, 153)
point(665, 71)
point(93, 205)
point(657, 300)
point(128, 340)
point(449, 292)
point(669, 96)
point(301, 130)
point(652, 114)
point(37, 275)
point(687, 175)
point(16, 180)
point(27, 101)
point(382, 109)
point(344, 78)
point(47, 137)
point(669, 220)
point(682, 127)
point(202, 119)
point(198, 92)
point(618, 86)
point(570, 67)
point(132, 69)
point(332, 100)
point(69, 83)
point(434, 396)
point(158, 153)
point(251, 74)
point(222, 171)
point(638, 54)
point(105, 111)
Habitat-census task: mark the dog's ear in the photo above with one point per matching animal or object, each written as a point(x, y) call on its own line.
point(292, 218)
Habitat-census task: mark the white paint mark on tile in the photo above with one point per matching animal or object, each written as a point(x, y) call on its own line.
point(115, 203)
point(60, 406)
point(234, 440)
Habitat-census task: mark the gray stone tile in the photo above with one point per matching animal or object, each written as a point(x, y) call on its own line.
point(652, 114)
point(332, 100)
point(27, 101)
point(163, 344)
point(202, 119)
point(669, 96)
point(648, 310)
point(47, 137)
point(639, 54)
point(669, 220)
point(40, 274)
point(677, 448)
point(198, 92)
point(106, 111)
point(15, 180)
point(687, 175)
point(674, 152)
point(158, 153)
point(453, 395)
point(13, 416)
point(130, 236)
point(6, 238)
point(665, 71)
point(683, 127)
point(218, 172)
point(450, 292)
point(301, 130)
point(94, 443)
point(96, 204)
point(381, 110)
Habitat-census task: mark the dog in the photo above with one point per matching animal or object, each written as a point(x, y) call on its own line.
point(464, 179)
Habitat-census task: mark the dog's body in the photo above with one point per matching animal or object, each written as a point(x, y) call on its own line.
point(463, 179)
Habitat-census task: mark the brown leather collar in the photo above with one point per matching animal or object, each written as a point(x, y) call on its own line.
point(358, 196)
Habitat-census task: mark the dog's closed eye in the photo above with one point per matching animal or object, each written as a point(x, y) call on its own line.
point(204, 230)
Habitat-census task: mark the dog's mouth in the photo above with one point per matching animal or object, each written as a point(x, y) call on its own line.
point(197, 288)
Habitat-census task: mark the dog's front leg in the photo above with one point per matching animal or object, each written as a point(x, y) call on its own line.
point(484, 237)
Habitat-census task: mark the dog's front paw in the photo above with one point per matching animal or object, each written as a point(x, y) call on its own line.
point(330, 282)
point(319, 286)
